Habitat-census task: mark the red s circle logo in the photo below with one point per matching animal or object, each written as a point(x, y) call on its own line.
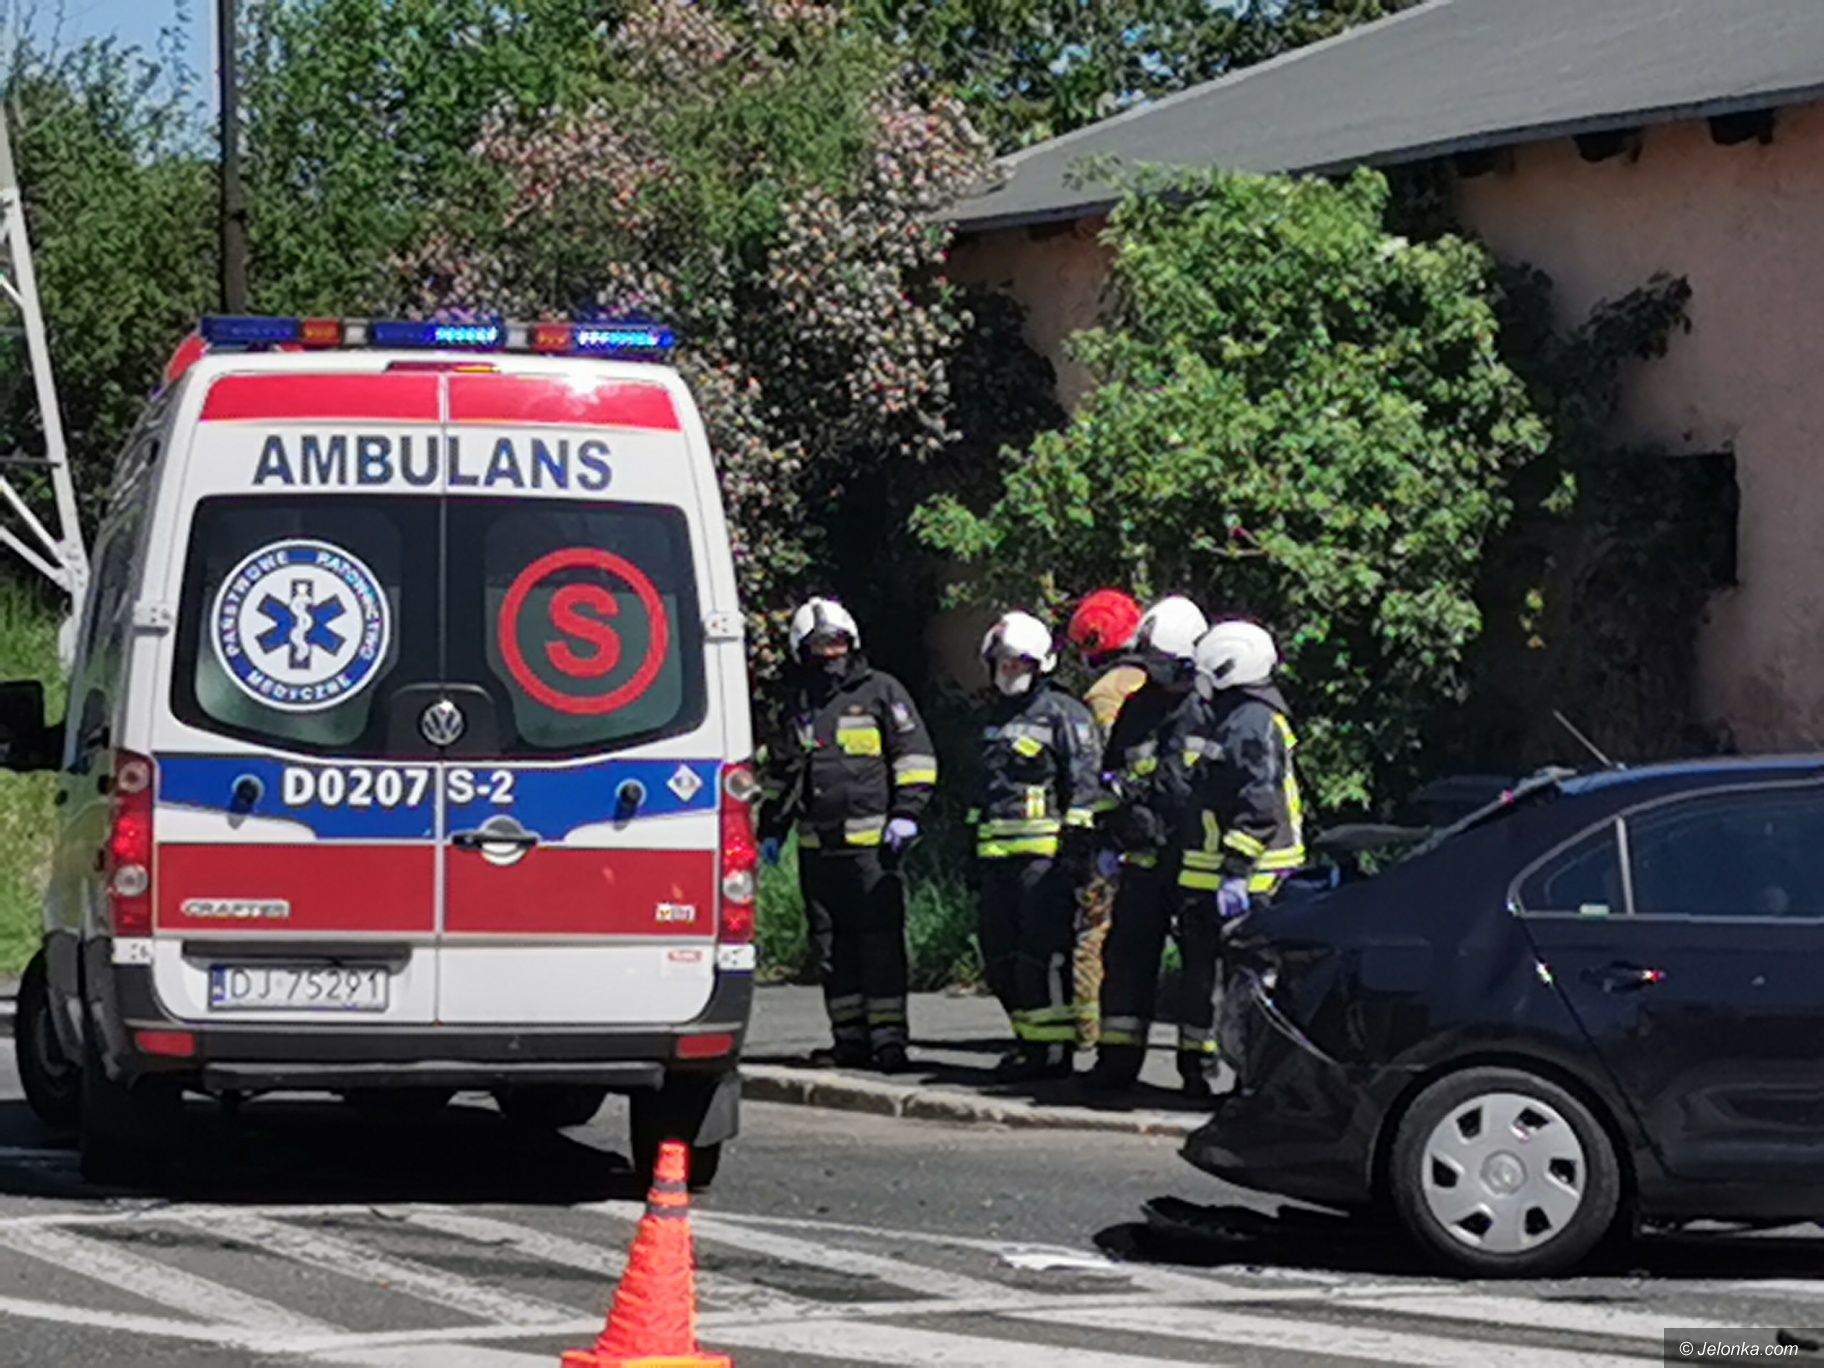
point(588, 644)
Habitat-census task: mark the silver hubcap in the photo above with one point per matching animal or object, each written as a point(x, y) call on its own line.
point(1503, 1173)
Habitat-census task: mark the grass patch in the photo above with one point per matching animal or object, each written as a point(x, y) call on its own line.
point(28, 650)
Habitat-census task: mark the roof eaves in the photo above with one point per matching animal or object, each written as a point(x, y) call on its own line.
point(988, 221)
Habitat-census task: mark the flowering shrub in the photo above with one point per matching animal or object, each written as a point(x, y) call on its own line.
point(766, 187)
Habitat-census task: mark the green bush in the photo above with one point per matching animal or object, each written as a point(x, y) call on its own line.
point(28, 650)
point(940, 921)
point(1300, 417)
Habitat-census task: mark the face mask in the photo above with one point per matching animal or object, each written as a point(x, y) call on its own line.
point(1014, 677)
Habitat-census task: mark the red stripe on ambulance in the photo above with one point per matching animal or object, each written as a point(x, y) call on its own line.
point(554, 892)
point(326, 397)
point(346, 888)
point(513, 400)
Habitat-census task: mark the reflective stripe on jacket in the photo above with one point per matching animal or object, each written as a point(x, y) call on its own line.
point(859, 755)
point(1153, 751)
point(1038, 773)
point(1248, 817)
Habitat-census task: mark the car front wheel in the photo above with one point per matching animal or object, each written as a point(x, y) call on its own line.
point(1499, 1173)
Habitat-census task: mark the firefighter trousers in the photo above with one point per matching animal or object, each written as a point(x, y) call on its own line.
point(1149, 906)
point(1027, 922)
point(855, 903)
point(1095, 906)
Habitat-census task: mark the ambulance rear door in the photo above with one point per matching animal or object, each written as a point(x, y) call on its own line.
point(297, 559)
point(585, 724)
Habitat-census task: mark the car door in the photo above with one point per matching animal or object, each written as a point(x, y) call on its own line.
point(581, 794)
point(1688, 937)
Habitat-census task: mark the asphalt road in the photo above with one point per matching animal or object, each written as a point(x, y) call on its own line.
point(306, 1236)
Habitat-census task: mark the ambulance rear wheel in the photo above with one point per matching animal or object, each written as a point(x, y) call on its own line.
point(51, 1081)
point(550, 1106)
point(674, 1112)
point(128, 1127)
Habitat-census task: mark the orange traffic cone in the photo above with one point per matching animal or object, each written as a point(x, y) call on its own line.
point(653, 1322)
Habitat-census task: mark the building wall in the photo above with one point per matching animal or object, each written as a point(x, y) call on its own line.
point(1742, 225)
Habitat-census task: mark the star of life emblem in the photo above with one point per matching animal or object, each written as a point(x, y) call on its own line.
point(684, 783)
point(301, 625)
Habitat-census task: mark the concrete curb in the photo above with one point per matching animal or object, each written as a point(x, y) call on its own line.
point(881, 1097)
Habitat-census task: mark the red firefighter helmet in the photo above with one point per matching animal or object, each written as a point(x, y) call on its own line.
point(1105, 621)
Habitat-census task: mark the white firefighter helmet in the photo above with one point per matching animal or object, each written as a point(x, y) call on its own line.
point(819, 616)
point(1235, 654)
point(1019, 636)
point(1171, 628)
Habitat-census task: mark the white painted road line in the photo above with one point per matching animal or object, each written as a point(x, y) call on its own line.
point(1541, 1313)
point(1243, 1329)
point(716, 1293)
point(125, 1324)
point(1175, 1283)
point(322, 1249)
point(909, 1348)
point(160, 1283)
point(430, 1356)
point(932, 1282)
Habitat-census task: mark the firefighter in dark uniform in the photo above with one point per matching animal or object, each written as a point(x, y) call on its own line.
point(858, 774)
point(1157, 740)
point(1244, 831)
point(1034, 828)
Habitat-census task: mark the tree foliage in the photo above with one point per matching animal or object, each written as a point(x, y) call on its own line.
point(119, 201)
point(1034, 69)
point(765, 185)
point(1298, 417)
point(359, 120)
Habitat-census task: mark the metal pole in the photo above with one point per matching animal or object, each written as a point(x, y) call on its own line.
point(74, 562)
point(234, 204)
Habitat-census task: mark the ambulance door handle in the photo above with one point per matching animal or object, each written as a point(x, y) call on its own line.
point(494, 836)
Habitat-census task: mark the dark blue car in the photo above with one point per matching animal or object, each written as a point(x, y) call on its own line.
point(1595, 1003)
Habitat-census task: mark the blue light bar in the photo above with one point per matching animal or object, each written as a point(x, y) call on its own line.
point(229, 330)
point(621, 338)
point(479, 336)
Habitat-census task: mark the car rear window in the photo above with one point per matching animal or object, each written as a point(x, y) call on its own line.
point(305, 619)
point(1585, 878)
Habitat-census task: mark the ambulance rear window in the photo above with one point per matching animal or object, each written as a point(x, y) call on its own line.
point(579, 618)
point(329, 623)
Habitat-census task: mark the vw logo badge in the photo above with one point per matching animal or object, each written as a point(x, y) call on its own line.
point(442, 724)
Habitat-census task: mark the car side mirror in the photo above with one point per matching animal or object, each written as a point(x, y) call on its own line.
point(26, 742)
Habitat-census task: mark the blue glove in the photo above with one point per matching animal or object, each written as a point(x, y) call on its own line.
point(901, 832)
point(1108, 863)
point(769, 850)
point(1232, 899)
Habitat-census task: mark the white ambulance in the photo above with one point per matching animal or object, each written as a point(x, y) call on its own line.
point(406, 747)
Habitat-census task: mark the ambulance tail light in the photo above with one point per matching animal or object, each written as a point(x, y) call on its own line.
point(127, 861)
point(740, 853)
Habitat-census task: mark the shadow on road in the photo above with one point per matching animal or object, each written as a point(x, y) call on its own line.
point(308, 1150)
point(1182, 1233)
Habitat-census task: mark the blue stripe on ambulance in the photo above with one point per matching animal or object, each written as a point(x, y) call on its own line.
point(397, 802)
